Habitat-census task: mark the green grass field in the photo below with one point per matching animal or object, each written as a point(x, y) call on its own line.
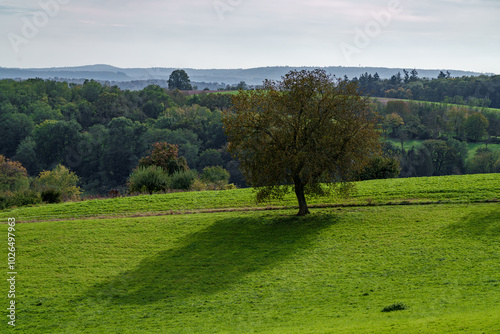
point(230, 92)
point(265, 271)
point(384, 100)
point(473, 147)
point(462, 189)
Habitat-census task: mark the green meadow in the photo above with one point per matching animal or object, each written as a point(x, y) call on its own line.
point(384, 100)
point(426, 250)
point(462, 189)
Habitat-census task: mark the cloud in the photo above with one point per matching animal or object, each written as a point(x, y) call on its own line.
point(8, 10)
point(94, 23)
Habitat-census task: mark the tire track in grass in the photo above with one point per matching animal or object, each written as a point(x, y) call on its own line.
point(257, 209)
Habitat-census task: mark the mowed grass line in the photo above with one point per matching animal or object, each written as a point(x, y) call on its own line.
point(264, 272)
point(457, 189)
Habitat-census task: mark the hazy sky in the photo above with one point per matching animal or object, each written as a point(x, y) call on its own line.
point(431, 34)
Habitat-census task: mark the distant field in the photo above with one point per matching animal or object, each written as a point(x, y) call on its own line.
point(384, 101)
point(473, 147)
point(407, 144)
point(198, 92)
point(493, 109)
point(265, 271)
point(230, 92)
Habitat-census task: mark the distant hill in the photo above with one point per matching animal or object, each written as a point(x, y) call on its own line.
point(205, 77)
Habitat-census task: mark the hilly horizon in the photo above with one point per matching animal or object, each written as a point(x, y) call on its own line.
point(251, 76)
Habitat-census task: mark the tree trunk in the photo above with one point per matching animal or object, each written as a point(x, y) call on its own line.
point(299, 191)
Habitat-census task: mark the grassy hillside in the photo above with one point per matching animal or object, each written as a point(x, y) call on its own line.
point(463, 189)
point(266, 271)
point(384, 101)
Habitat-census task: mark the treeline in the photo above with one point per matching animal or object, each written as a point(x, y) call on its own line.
point(101, 132)
point(141, 84)
point(444, 132)
point(421, 120)
point(479, 91)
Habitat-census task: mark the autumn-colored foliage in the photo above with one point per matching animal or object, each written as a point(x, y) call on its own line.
point(13, 176)
point(61, 180)
point(301, 132)
point(165, 155)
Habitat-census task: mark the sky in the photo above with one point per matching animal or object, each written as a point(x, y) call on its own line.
point(206, 34)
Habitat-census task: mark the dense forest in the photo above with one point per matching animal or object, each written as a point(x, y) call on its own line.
point(100, 132)
point(443, 133)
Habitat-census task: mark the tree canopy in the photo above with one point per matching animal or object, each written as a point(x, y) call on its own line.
point(165, 156)
point(179, 80)
point(13, 176)
point(301, 132)
point(60, 179)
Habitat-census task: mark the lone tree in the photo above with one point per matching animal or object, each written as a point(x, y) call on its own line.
point(305, 132)
point(179, 80)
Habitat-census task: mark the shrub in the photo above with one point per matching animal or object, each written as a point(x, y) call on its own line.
point(148, 179)
point(217, 176)
point(484, 161)
point(165, 155)
point(4, 200)
point(114, 193)
point(183, 180)
point(26, 197)
point(230, 186)
point(380, 168)
point(18, 199)
point(13, 176)
point(395, 307)
point(51, 196)
point(199, 185)
point(59, 178)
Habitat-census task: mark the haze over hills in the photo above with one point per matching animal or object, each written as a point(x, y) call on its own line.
point(252, 76)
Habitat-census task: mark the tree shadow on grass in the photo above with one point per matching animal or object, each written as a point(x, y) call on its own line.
point(213, 259)
point(479, 224)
